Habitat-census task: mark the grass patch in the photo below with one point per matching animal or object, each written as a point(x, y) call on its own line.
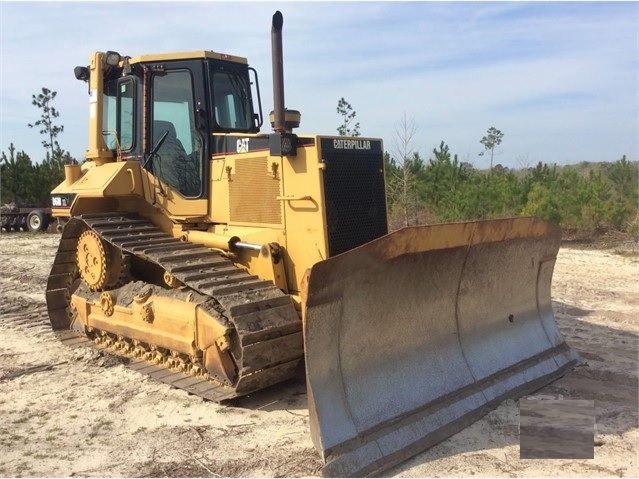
point(24, 470)
point(626, 253)
point(23, 419)
point(100, 424)
point(106, 423)
point(12, 438)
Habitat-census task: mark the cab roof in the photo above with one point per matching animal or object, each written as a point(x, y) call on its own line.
point(162, 57)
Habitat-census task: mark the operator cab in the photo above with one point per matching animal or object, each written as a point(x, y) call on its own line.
point(163, 109)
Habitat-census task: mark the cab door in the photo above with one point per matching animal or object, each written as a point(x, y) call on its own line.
point(176, 140)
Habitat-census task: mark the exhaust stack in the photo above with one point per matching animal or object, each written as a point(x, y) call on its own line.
point(278, 72)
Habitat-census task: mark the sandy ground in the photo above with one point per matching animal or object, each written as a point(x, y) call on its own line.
point(82, 413)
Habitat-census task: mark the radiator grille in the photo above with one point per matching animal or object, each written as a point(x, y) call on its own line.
point(253, 193)
point(354, 195)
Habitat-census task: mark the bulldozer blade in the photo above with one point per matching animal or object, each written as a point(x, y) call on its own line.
point(414, 336)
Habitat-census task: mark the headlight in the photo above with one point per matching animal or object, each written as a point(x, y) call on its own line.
point(112, 58)
point(283, 144)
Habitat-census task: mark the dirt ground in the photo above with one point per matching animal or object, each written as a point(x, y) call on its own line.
point(80, 412)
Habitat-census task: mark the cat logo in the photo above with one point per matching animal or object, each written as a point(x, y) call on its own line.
point(242, 145)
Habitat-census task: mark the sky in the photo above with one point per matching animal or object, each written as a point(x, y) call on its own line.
point(560, 80)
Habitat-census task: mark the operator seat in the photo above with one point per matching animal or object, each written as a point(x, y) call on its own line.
point(160, 127)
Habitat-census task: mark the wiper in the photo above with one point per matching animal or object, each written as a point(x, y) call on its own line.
point(154, 151)
point(149, 161)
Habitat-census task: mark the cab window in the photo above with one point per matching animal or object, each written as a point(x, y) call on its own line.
point(231, 99)
point(179, 158)
point(109, 114)
point(125, 121)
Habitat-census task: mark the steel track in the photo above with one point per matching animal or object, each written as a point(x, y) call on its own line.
point(267, 326)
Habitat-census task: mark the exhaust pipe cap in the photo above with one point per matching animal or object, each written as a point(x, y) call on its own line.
point(278, 20)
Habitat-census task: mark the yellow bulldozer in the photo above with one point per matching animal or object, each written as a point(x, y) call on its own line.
point(222, 260)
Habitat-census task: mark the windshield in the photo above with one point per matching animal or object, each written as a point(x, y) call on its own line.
point(231, 92)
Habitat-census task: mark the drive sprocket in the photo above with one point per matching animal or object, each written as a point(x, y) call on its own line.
point(99, 266)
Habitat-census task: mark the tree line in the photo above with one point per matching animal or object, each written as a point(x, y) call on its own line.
point(587, 198)
point(584, 198)
point(24, 182)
